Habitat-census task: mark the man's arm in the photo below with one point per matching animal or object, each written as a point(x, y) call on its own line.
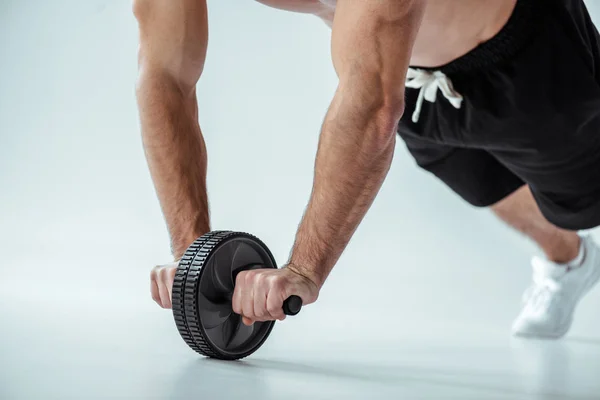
point(173, 41)
point(371, 44)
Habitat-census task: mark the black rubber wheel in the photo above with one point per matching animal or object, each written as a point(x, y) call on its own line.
point(202, 290)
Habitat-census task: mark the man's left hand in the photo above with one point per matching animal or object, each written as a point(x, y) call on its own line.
point(259, 294)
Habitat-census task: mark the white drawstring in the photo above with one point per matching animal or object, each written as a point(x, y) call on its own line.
point(429, 82)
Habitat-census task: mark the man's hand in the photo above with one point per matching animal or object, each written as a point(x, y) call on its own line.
point(161, 284)
point(259, 294)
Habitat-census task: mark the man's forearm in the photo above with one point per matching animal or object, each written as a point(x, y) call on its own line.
point(353, 159)
point(371, 45)
point(176, 155)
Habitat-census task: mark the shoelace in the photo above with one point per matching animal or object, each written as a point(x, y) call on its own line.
point(542, 290)
point(429, 82)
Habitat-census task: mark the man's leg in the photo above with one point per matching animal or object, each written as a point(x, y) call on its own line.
point(521, 212)
point(570, 270)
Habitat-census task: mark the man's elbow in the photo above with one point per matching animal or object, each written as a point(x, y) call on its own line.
point(377, 102)
point(384, 122)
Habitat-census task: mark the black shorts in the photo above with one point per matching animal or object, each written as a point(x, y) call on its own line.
point(530, 114)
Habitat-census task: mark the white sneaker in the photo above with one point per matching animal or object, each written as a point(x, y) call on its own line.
point(550, 301)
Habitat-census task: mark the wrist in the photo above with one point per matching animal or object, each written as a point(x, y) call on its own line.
point(179, 246)
point(311, 256)
point(178, 249)
point(308, 271)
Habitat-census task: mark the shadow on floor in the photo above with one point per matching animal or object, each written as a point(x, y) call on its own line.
point(409, 375)
point(537, 373)
point(583, 340)
point(205, 378)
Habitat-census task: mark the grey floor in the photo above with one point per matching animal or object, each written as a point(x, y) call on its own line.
point(419, 306)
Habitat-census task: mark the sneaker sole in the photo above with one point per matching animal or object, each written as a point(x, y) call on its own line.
point(546, 335)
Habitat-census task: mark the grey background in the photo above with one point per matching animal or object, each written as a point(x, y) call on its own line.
point(420, 304)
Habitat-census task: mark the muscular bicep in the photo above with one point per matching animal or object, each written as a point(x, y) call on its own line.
point(372, 43)
point(173, 38)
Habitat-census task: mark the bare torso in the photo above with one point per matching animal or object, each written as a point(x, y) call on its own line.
point(450, 28)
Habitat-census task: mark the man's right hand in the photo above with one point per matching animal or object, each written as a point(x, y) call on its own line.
point(161, 283)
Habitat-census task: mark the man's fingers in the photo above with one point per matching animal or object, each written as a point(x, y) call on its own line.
point(154, 290)
point(162, 282)
point(260, 300)
point(165, 300)
point(236, 300)
point(248, 297)
point(275, 305)
point(170, 274)
point(259, 295)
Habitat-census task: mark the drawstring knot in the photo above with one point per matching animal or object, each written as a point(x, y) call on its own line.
point(429, 82)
